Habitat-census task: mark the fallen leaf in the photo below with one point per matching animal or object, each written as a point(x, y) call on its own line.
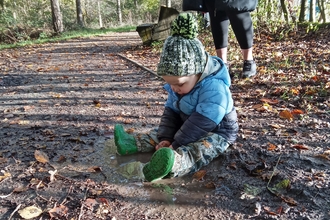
point(103, 200)
point(30, 212)
point(5, 176)
point(199, 175)
point(297, 112)
point(130, 130)
point(267, 209)
point(61, 159)
point(295, 91)
point(280, 187)
point(289, 200)
point(286, 115)
point(271, 147)
point(41, 156)
point(58, 211)
point(233, 166)
point(300, 147)
point(90, 202)
point(94, 169)
point(210, 185)
point(20, 189)
point(269, 101)
point(277, 126)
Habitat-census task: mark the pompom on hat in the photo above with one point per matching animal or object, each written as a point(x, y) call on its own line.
point(183, 54)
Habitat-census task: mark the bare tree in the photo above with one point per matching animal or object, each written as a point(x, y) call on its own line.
point(120, 19)
point(56, 16)
point(302, 11)
point(285, 10)
point(312, 10)
point(321, 4)
point(99, 12)
point(80, 19)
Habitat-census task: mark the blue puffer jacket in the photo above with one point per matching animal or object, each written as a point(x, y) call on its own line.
point(207, 108)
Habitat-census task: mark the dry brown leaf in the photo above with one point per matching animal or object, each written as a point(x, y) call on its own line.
point(233, 166)
point(103, 200)
point(6, 175)
point(199, 175)
point(277, 126)
point(61, 159)
point(90, 202)
point(300, 147)
point(20, 189)
point(41, 156)
point(297, 112)
point(130, 130)
point(58, 211)
point(267, 209)
point(289, 200)
point(295, 91)
point(269, 101)
point(286, 115)
point(94, 169)
point(271, 146)
point(210, 185)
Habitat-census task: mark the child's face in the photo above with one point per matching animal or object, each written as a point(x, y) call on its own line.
point(182, 84)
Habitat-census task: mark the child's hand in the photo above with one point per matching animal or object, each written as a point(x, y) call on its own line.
point(163, 144)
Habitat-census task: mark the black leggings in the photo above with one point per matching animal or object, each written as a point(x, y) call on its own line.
point(241, 24)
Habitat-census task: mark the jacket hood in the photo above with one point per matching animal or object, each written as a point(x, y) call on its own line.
point(215, 66)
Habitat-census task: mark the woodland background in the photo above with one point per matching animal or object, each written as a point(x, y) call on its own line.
point(22, 20)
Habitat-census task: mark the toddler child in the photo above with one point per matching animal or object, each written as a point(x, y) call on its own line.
point(199, 121)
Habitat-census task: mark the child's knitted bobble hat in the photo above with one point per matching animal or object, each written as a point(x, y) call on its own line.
point(183, 54)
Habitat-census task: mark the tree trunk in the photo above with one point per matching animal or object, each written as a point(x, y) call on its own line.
point(168, 3)
point(302, 11)
point(56, 16)
point(312, 10)
point(285, 11)
point(120, 19)
point(80, 19)
point(322, 11)
point(100, 16)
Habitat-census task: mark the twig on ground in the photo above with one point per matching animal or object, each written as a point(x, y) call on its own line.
point(274, 170)
point(2, 197)
point(69, 191)
point(138, 64)
point(17, 208)
point(81, 211)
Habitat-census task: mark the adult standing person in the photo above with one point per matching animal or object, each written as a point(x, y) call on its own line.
point(237, 12)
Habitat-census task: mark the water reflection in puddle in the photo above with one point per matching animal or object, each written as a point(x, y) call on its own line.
point(126, 173)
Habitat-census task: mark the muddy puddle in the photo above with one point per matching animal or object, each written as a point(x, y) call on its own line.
point(126, 173)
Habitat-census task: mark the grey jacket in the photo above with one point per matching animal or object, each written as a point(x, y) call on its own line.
point(235, 5)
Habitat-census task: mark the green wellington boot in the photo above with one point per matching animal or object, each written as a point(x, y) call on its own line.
point(160, 164)
point(126, 143)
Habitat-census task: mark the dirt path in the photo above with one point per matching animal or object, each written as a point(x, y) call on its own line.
point(62, 100)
